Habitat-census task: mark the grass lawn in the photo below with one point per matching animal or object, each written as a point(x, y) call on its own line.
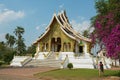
point(76, 74)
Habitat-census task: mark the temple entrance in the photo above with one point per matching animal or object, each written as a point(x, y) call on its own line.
point(80, 49)
point(56, 44)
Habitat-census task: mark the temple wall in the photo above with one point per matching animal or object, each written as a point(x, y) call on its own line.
point(67, 44)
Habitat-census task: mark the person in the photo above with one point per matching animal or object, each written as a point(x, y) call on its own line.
point(101, 68)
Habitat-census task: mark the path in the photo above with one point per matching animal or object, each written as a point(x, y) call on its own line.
point(21, 73)
point(27, 73)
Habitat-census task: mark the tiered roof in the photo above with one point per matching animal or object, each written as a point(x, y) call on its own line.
point(65, 26)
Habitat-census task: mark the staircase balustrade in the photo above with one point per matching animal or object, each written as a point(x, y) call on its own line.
point(36, 55)
point(47, 55)
point(57, 55)
point(94, 63)
point(65, 62)
point(26, 61)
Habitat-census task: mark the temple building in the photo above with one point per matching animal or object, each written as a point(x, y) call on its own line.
point(60, 45)
point(60, 36)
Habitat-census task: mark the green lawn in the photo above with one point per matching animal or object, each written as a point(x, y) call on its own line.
point(75, 74)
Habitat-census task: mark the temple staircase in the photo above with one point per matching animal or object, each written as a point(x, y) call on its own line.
point(83, 61)
point(50, 61)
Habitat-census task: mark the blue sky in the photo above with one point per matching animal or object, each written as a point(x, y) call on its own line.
point(35, 15)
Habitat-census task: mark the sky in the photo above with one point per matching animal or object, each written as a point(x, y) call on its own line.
point(35, 15)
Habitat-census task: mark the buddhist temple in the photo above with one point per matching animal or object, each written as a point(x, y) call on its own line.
point(61, 37)
point(60, 45)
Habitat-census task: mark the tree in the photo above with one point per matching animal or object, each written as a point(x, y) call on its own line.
point(107, 26)
point(19, 31)
point(2, 49)
point(6, 53)
point(31, 50)
point(86, 33)
point(10, 40)
point(21, 47)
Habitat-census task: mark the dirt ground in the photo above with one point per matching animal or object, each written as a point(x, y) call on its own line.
point(27, 73)
point(21, 73)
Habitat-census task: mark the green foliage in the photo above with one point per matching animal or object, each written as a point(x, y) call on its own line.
point(21, 47)
point(8, 56)
point(19, 31)
point(7, 49)
point(70, 65)
point(6, 53)
point(103, 7)
point(10, 40)
point(31, 50)
point(1, 62)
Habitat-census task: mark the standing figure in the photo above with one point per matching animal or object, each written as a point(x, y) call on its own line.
point(101, 68)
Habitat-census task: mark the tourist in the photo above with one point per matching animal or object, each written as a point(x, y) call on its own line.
point(101, 68)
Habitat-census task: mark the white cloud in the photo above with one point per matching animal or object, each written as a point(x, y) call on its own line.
point(2, 36)
point(37, 27)
point(61, 6)
point(92, 29)
point(81, 18)
point(40, 26)
point(7, 15)
point(80, 27)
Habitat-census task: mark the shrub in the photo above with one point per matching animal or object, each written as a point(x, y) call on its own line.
point(70, 65)
point(8, 57)
point(1, 62)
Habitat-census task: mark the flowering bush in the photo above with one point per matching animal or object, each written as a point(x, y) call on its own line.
point(108, 32)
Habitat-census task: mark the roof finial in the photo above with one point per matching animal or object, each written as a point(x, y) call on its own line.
point(54, 11)
point(64, 11)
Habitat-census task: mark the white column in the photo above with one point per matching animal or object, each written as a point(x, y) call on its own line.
point(38, 49)
point(76, 48)
point(45, 47)
point(85, 47)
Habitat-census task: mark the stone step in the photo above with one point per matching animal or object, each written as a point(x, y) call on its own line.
point(50, 61)
point(46, 62)
point(83, 66)
point(57, 66)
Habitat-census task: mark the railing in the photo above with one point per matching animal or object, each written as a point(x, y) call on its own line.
point(44, 55)
point(57, 55)
point(65, 62)
point(26, 61)
point(94, 63)
point(36, 55)
point(50, 53)
point(98, 59)
point(105, 62)
point(47, 55)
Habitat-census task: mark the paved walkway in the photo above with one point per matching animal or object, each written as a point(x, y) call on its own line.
point(27, 73)
point(21, 73)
